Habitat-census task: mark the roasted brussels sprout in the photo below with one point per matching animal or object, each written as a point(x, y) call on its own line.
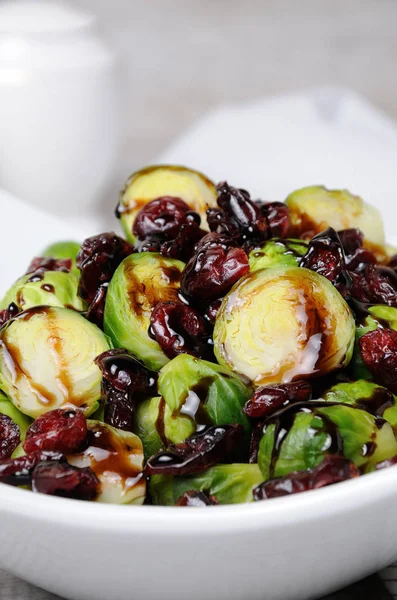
point(315, 208)
point(50, 288)
point(164, 180)
point(8, 408)
point(278, 324)
point(116, 458)
point(228, 484)
point(47, 360)
point(139, 283)
point(373, 398)
point(63, 250)
point(299, 440)
point(277, 253)
point(193, 392)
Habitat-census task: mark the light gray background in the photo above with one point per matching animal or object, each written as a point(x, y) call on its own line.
point(183, 57)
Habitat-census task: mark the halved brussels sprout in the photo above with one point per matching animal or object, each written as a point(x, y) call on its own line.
point(193, 392)
point(230, 484)
point(313, 209)
point(116, 457)
point(63, 250)
point(8, 408)
point(308, 436)
point(47, 360)
point(52, 288)
point(139, 283)
point(278, 324)
point(277, 253)
point(164, 180)
point(369, 396)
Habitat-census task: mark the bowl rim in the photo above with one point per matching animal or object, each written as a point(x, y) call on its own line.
point(344, 497)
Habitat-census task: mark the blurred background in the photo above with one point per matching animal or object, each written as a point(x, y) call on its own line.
point(183, 57)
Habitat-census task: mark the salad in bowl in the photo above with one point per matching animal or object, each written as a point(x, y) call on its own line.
point(225, 350)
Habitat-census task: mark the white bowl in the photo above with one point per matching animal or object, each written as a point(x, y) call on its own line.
point(291, 548)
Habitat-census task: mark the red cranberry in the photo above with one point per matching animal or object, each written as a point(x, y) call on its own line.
point(98, 258)
point(60, 430)
point(278, 218)
point(375, 285)
point(325, 256)
point(182, 246)
point(97, 307)
point(212, 311)
point(379, 353)
point(200, 451)
point(9, 436)
point(8, 313)
point(124, 381)
point(43, 264)
point(332, 470)
point(238, 216)
point(180, 329)
point(17, 471)
point(162, 218)
point(195, 498)
point(256, 436)
point(213, 269)
point(268, 399)
point(61, 479)
point(148, 245)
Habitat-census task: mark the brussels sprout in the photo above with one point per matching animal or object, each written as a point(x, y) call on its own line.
point(116, 457)
point(47, 360)
point(277, 253)
point(230, 484)
point(7, 408)
point(164, 180)
point(139, 283)
point(52, 288)
point(63, 250)
point(278, 324)
point(372, 397)
point(313, 209)
point(308, 436)
point(193, 392)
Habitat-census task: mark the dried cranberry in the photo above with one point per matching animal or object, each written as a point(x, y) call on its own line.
point(379, 353)
point(202, 450)
point(9, 436)
point(385, 464)
point(180, 329)
point(97, 307)
point(162, 217)
point(149, 245)
point(60, 430)
point(375, 285)
point(278, 218)
point(332, 470)
point(212, 311)
point(124, 381)
point(213, 269)
point(268, 399)
point(238, 216)
point(17, 471)
point(50, 264)
point(325, 256)
point(98, 258)
point(195, 498)
point(8, 313)
point(182, 246)
point(61, 479)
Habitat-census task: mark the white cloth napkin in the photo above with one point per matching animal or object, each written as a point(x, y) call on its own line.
point(270, 147)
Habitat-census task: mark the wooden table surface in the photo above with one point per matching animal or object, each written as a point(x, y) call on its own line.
point(182, 58)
